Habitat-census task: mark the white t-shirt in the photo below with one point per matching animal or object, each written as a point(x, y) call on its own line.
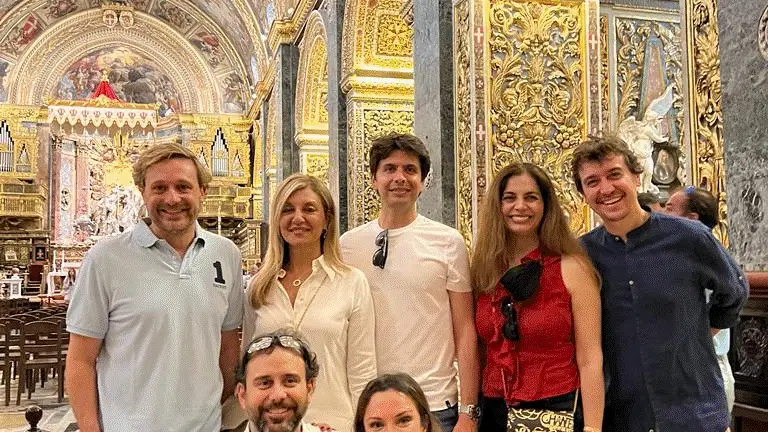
point(414, 329)
point(333, 311)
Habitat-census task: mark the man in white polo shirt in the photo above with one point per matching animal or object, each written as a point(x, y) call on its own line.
point(418, 272)
point(154, 316)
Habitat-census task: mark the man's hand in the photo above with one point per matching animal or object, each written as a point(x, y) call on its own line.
point(465, 424)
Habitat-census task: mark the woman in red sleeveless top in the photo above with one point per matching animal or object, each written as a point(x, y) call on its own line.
point(541, 340)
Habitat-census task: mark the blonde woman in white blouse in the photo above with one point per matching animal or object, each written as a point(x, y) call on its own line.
point(304, 285)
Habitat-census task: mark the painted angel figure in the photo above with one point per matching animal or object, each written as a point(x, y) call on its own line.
point(640, 136)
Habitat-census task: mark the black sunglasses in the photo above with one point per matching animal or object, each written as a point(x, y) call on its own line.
point(380, 255)
point(510, 328)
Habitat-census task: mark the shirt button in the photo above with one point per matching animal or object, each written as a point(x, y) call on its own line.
point(650, 430)
point(617, 238)
point(630, 284)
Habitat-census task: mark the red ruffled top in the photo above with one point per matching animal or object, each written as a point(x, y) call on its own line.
point(542, 363)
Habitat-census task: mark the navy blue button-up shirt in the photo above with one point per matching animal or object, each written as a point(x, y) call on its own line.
point(660, 362)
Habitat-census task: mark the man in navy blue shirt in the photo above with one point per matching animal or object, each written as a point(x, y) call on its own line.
point(660, 362)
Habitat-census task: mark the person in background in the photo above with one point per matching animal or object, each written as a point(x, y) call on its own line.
point(304, 285)
point(649, 201)
point(69, 283)
point(541, 332)
point(394, 402)
point(699, 204)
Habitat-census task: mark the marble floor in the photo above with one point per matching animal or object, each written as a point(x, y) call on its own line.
point(57, 417)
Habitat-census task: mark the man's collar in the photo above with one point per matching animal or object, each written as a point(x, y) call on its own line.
point(144, 237)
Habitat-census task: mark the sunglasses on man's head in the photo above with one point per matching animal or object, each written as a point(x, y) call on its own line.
point(264, 342)
point(380, 255)
point(510, 328)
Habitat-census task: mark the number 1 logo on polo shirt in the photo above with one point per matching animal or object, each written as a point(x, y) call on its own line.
point(219, 274)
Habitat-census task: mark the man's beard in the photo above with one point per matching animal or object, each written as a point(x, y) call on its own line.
point(288, 425)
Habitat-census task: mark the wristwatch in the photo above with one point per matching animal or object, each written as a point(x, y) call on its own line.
point(472, 411)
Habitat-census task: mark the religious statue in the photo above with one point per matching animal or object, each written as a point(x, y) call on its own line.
point(640, 136)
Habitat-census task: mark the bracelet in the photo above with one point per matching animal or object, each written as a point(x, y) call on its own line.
point(591, 429)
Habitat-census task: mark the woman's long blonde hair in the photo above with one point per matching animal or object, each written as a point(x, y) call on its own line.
point(277, 256)
point(491, 256)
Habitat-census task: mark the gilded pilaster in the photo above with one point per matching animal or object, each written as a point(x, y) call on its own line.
point(377, 44)
point(704, 93)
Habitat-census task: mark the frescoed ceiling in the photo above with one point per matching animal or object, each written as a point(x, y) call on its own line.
point(201, 21)
point(229, 34)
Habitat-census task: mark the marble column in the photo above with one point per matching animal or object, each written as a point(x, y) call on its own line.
point(743, 61)
point(333, 17)
point(285, 92)
point(433, 117)
point(265, 161)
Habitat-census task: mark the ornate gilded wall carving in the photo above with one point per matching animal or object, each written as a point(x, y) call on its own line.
point(376, 37)
point(370, 120)
point(631, 44)
point(537, 100)
point(605, 87)
point(377, 43)
point(705, 108)
point(317, 165)
point(463, 118)
point(312, 83)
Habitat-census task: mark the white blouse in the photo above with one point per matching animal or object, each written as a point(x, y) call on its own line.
point(334, 312)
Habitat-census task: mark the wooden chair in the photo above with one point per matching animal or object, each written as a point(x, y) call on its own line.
point(40, 349)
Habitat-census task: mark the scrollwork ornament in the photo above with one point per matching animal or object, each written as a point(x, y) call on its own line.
point(462, 81)
point(705, 100)
point(537, 104)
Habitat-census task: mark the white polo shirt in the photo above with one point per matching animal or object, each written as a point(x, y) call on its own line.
point(160, 318)
point(414, 329)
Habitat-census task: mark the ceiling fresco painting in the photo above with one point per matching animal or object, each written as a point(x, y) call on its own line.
point(133, 77)
point(227, 17)
point(222, 31)
point(173, 15)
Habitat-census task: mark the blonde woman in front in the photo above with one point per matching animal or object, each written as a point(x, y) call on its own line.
point(304, 285)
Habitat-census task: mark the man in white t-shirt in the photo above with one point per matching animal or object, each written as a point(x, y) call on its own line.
point(418, 271)
point(275, 382)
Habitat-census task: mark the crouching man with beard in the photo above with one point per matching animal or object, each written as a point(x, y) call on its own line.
point(275, 382)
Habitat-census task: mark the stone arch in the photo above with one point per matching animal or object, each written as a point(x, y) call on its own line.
point(65, 42)
point(311, 98)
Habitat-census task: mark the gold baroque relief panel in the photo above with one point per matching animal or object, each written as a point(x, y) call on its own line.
point(315, 163)
point(312, 81)
point(369, 120)
point(463, 119)
point(376, 38)
point(537, 92)
point(704, 93)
